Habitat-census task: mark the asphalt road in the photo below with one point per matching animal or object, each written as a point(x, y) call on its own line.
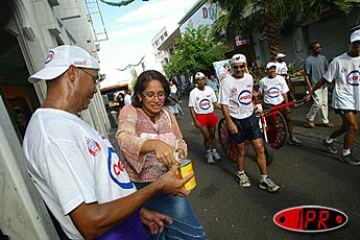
point(308, 175)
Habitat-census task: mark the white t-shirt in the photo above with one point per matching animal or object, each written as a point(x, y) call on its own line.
point(273, 88)
point(236, 93)
point(70, 163)
point(281, 68)
point(345, 71)
point(202, 101)
point(127, 99)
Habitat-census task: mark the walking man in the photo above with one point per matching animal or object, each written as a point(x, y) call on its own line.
point(202, 100)
point(344, 70)
point(315, 67)
point(282, 70)
point(238, 110)
point(213, 83)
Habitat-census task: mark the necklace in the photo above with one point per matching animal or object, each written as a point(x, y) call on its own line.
point(152, 118)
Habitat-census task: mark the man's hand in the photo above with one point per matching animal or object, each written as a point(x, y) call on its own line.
point(168, 182)
point(197, 124)
point(154, 220)
point(232, 127)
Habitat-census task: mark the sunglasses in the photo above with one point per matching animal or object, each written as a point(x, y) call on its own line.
point(238, 67)
point(318, 47)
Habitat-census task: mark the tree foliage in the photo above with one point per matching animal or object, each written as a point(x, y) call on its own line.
point(269, 16)
point(194, 52)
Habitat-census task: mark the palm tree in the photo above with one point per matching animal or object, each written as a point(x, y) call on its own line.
point(272, 17)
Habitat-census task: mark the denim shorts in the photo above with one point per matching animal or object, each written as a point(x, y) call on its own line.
point(185, 223)
point(248, 129)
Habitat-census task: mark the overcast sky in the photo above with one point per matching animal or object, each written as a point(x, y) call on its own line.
point(131, 28)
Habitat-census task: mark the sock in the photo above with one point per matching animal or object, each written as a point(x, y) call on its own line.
point(213, 150)
point(264, 177)
point(241, 172)
point(345, 152)
point(208, 150)
point(328, 139)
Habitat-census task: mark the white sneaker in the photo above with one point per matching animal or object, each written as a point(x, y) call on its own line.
point(216, 156)
point(243, 180)
point(209, 158)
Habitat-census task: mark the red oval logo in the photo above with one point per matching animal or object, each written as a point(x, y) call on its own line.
point(310, 219)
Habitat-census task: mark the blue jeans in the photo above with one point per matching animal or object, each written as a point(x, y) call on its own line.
point(185, 224)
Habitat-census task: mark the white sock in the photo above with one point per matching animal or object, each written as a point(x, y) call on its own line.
point(208, 150)
point(328, 139)
point(264, 177)
point(345, 152)
point(241, 172)
point(213, 150)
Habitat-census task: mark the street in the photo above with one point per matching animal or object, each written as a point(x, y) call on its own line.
point(308, 175)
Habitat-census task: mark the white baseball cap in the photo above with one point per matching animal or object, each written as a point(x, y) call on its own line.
point(238, 58)
point(199, 75)
point(280, 55)
point(355, 36)
point(270, 65)
point(59, 60)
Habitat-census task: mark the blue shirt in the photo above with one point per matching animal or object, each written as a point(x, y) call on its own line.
point(212, 84)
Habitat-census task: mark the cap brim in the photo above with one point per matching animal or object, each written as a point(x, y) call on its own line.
point(47, 74)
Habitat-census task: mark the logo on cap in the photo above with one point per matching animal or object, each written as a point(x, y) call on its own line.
point(50, 57)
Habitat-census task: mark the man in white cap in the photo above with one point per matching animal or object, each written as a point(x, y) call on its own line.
point(282, 70)
point(202, 100)
point(344, 70)
point(75, 168)
point(238, 110)
point(274, 89)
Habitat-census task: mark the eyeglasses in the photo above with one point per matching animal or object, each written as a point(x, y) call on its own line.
point(238, 67)
point(318, 47)
point(96, 78)
point(151, 95)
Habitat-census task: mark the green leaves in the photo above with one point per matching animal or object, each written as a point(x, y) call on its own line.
point(196, 51)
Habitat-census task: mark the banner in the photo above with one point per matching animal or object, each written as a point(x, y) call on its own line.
point(222, 69)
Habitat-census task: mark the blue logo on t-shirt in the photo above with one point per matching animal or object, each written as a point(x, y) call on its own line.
point(205, 104)
point(353, 78)
point(117, 171)
point(273, 92)
point(245, 97)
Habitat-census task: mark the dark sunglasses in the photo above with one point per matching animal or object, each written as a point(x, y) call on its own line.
point(238, 67)
point(318, 47)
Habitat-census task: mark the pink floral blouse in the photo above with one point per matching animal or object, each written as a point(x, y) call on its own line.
point(134, 129)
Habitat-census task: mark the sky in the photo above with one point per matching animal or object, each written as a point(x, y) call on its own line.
point(131, 28)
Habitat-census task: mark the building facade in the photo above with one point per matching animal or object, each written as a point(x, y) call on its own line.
point(35, 26)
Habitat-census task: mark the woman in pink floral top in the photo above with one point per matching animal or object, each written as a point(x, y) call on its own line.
point(149, 136)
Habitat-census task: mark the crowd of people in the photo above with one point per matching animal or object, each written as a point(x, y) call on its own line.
point(94, 196)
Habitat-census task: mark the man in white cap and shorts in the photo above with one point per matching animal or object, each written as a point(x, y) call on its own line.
point(282, 70)
point(238, 110)
point(75, 168)
point(344, 70)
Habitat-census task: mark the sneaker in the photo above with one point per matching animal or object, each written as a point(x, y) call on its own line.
point(243, 180)
point(296, 105)
point(310, 123)
point(349, 159)
point(216, 156)
point(328, 125)
point(294, 142)
point(269, 185)
point(209, 158)
point(329, 146)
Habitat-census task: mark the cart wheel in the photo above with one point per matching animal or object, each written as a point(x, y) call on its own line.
point(228, 148)
point(269, 153)
point(277, 130)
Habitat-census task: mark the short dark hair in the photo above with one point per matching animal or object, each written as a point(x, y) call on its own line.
point(143, 81)
point(313, 44)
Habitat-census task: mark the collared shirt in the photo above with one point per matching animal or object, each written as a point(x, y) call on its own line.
point(212, 84)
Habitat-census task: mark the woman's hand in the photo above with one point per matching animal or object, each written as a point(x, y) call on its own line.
point(181, 153)
point(164, 153)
